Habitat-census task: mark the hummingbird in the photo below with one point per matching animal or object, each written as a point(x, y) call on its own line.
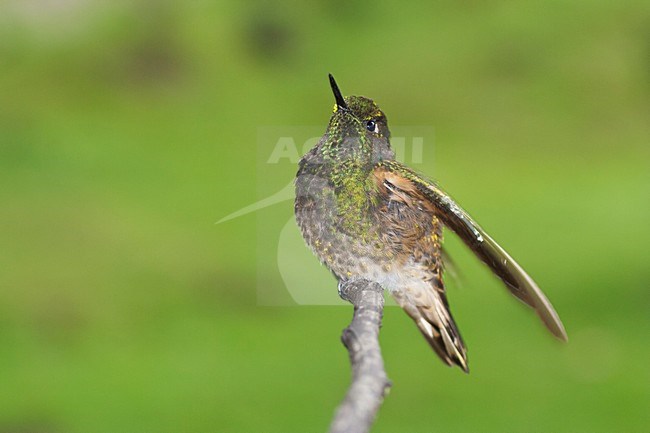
point(367, 216)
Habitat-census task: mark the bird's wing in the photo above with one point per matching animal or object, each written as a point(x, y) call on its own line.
point(454, 217)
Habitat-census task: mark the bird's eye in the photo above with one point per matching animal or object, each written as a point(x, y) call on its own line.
point(372, 126)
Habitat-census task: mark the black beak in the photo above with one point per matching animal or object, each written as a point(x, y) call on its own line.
point(340, 102)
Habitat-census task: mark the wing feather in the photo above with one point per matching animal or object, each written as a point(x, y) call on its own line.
point(454, 217)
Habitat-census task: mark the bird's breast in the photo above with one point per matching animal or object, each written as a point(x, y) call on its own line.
point(392, 242)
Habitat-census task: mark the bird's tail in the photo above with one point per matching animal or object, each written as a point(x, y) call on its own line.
point(429, 309)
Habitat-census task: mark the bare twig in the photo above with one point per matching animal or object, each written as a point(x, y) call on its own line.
point(369, 381)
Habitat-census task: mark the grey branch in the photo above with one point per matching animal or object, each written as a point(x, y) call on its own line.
point(369, 381)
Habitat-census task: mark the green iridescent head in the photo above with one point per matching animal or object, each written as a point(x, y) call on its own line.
point(362, 109)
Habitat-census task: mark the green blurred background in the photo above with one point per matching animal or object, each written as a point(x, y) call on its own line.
point(128, 128)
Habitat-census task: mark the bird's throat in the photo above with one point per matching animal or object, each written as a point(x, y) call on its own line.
point(356, 195)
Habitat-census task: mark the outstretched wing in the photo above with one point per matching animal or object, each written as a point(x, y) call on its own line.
point(453, 216)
